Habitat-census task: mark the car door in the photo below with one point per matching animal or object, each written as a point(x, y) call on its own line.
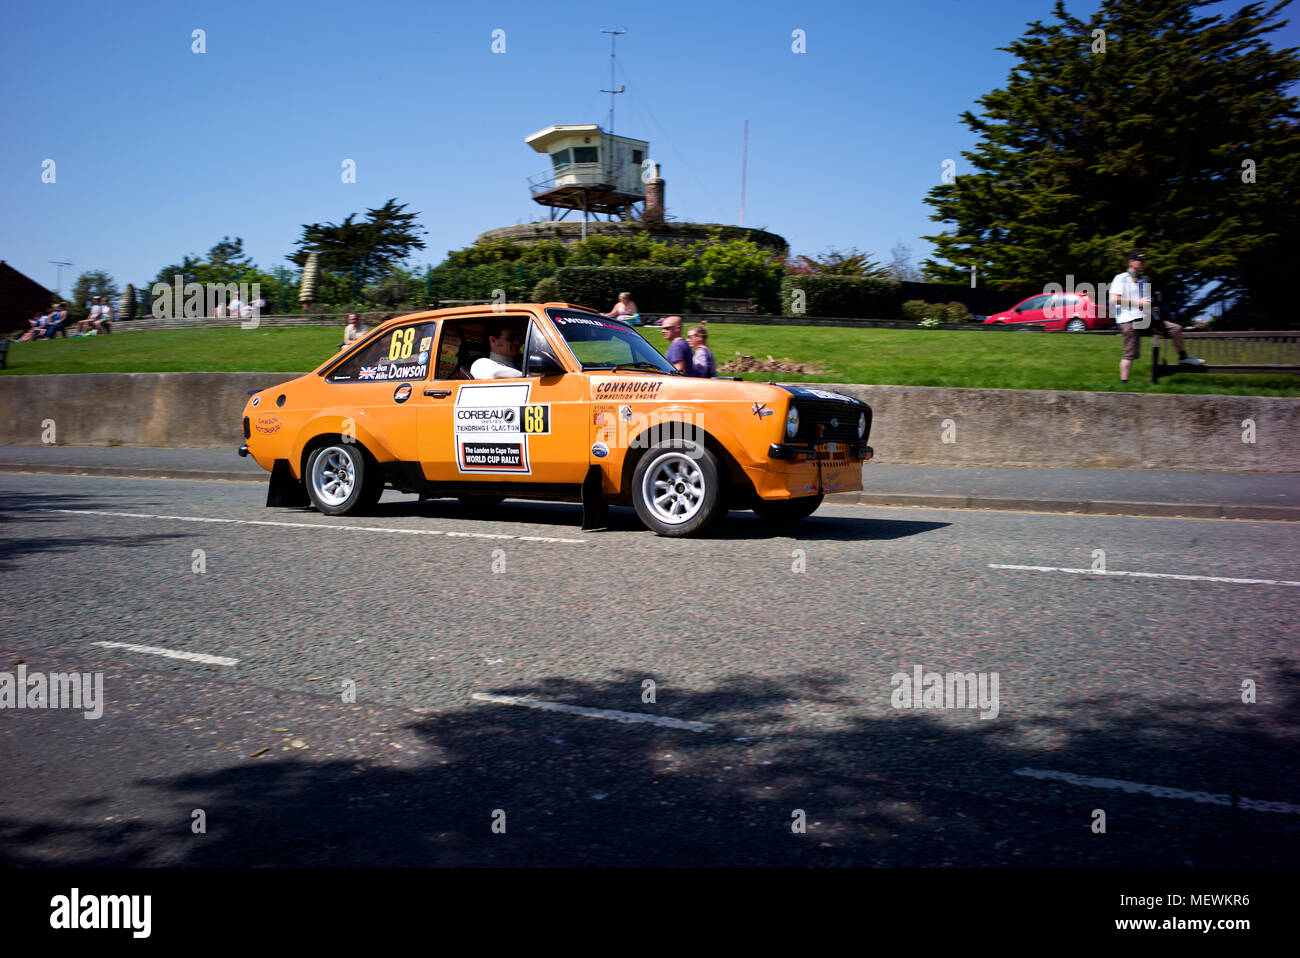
point(376, 381)
point(530, 429)
point(1031, 310)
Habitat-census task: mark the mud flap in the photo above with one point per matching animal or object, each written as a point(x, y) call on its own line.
point(284, 490)
point(595, 510)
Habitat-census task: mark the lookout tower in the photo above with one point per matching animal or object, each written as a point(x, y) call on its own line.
point(591, 170)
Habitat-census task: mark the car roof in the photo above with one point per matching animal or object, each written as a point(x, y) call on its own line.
point(487, 309)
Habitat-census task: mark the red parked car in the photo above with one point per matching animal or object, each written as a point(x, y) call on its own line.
point(1068, 312)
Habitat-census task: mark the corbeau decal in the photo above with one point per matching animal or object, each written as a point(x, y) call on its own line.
point(492, 426)
point(402, 393)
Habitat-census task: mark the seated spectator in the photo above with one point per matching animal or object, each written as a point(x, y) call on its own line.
point(58, 325)
point(353, 331)
point(258, 307)
point(35, 328)
point(702, 364)
point(625, 310)
point(104, 324)
point(83, 327)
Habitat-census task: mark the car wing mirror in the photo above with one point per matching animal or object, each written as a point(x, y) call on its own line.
point(544, 364)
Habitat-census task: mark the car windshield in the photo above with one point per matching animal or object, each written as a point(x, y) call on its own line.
point(600, 343)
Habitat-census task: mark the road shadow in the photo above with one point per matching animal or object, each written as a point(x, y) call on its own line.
point(899, 789)
point(739, 524)
point(45, 508)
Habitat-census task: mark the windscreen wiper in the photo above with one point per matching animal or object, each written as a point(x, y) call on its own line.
point(647, 365)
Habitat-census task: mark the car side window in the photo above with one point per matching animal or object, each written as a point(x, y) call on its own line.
point(537, 345)
point(1034, 302)
point(401, 353)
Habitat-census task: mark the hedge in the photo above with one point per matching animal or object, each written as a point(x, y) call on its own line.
point(852, 297)
point(654, 289)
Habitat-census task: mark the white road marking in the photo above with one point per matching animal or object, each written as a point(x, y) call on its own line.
point(1161, 791)
point(1147, 575)
point(631, 717)
point(322, 525)
point(170, 653)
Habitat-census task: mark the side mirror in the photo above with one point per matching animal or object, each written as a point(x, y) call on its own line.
point(543, 364)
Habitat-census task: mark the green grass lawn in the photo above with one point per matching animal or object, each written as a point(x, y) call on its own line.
point(904, 357)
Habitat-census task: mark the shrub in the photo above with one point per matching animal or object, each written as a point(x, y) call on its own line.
point(856, 297)
point(654, 289)
point(936, 311)
point(958, 313)
point(546, 291)
point(914, 310)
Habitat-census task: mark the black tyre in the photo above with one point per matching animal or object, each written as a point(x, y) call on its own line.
point(677, 488)
point(788, 510)
point(341, 479)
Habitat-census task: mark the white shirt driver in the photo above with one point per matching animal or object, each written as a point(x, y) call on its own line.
point(494, 366)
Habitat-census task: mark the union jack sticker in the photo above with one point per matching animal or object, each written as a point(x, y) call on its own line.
point(368, 372)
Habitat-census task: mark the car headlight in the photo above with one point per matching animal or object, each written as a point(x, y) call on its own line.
point(791, 423)
point(862, 424)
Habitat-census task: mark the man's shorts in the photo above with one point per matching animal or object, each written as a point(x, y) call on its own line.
point(1130, 335)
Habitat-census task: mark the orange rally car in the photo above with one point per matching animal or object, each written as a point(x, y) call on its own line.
point(587, 411)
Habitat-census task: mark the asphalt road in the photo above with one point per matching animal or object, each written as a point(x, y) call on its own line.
point(772, 656)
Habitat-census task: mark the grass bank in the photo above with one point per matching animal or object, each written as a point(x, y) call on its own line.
point(903, 357)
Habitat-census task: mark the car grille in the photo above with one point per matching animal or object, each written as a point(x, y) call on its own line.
point(815, 421)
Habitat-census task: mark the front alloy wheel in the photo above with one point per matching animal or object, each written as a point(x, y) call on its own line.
point(676, 488)
point(1076, 326)
point(340, 480)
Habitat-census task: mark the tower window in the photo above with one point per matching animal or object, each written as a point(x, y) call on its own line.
point(586, 154)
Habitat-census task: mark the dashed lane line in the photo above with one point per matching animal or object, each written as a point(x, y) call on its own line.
point(612, 714)
point(1162, 791)
point(323, 525)
point(171, 653)
point(1146, 575)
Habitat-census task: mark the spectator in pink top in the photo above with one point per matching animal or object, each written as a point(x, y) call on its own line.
point(624, 310)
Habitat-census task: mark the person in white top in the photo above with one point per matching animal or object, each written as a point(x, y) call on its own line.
point(1130, 298)
point(503, 342)
point(624, 309)
point(92, 317)
point(353, 331)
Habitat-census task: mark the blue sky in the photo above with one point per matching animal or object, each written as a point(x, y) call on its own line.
point(160, 151)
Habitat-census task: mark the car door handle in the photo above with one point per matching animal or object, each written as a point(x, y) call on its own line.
point(438, 393)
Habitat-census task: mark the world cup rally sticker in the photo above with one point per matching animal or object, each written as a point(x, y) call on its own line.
point(493, 425)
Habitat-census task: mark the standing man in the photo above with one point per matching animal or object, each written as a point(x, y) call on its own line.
point(679, 351)
point(353, 331)
point(702, 363)
point(1130, 298)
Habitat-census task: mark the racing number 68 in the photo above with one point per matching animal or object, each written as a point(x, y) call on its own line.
point(402, 344)
point(535, 419)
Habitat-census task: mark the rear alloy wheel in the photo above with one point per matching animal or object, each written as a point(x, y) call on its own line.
point(676, 488)
point(788, 510)
point(340, 479)
point(1076, 326)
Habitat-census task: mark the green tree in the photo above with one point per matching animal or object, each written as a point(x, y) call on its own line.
point(90, 284)
point(359, 253)
point(1133, 128)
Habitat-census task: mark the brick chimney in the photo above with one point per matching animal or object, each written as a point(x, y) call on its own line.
point(654, 199)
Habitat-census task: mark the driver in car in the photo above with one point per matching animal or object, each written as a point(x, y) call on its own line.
point(504, 340)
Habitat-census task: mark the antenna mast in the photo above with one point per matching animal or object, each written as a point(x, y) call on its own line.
point(58, 283)
point(613, 37)
point(744, 163)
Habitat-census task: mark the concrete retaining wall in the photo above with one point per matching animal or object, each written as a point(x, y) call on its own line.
point(987, 427)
